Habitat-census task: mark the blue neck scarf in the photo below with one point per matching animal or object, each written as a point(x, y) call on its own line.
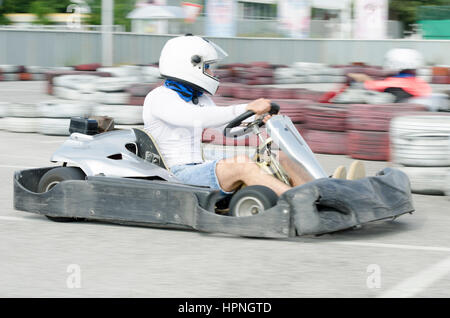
point(186, 92)
point(404, 75)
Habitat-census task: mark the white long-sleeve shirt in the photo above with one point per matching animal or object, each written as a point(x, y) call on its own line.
point(177, 125)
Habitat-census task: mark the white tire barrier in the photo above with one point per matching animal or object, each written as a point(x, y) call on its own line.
point(22, 110)
point(288, 80)
point(151, 71)
point(118, 71)
point(363, 96)
point(304, 68)
point(379, 98)
point(111, 98)
point(66, 93)
point(426, 78)
point(72, 94)
point(302, 72)
point(4, 108)
point(447, 185)
point(18, 124)
point(425, 72)
point(284, 72)
point(11, 76)
point(114, 98)
point(131, 70)
point(435, 102)
point(38, 77)
point(427, 180)
point(114, 84)
point(64, 109)
point(53, 126)
point(61, 68)
point(9, 68)
point(419, 124)
point(421, 150)
point(122, 114)
point(37, 69)
point(81, 83)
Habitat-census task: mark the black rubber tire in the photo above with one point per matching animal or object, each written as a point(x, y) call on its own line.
point(263, 194)
point(55, 176)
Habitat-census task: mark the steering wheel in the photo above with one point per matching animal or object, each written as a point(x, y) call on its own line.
point(274, 109)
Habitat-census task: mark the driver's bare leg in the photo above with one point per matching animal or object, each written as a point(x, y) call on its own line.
point(232, 172)
point(297, 175)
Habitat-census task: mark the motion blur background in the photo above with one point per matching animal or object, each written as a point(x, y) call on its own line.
point(324, 31)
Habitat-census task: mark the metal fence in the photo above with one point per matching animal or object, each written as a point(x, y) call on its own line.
point(63, 48)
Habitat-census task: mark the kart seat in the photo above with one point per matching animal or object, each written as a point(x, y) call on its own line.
point(147, 148)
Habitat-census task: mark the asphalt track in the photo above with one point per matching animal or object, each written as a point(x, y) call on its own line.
point(408, 257)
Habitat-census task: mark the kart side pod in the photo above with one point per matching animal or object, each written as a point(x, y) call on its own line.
point(321, 206)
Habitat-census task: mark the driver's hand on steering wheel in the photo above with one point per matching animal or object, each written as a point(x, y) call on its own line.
point(259, 106)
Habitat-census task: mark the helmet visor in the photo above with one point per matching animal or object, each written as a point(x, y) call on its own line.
point(221, 54)
point(209, 68)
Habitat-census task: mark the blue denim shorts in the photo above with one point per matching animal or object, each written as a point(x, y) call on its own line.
point(200, 174)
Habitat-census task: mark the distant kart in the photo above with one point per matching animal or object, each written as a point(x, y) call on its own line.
point(121, 177)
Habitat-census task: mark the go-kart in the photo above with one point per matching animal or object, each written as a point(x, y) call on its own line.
point(120, 176)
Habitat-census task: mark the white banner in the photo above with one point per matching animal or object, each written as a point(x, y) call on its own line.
point(221, 18)
point(295, 17)
point(191, 11)
point(371, 18)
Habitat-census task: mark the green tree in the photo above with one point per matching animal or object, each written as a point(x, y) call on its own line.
point(121, 9)
point(16, 6)
point(41, 9)
point(406, 11)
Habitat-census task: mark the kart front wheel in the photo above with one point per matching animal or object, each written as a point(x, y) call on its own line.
point(55, 176)
point(252, 200)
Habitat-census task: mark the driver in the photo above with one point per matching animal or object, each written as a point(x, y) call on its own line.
point(176, 113)
point(403, 84)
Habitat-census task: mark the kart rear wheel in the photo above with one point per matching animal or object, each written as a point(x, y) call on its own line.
point(55, 176)
point(252, 200)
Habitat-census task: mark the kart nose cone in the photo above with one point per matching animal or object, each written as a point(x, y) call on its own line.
point(287, 137)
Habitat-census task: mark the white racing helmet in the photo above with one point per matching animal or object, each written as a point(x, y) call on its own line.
point(397, 60)
point(186, 59)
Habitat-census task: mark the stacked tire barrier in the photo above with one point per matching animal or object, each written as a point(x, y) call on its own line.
point(440, 75)
point(3, 113)
point(120, 97)
point(356, 123)
point(25, 73)
point(55, 115)
point(368, 128)
point(49, 118)
point(256, 73)
point(90, 90)
point(301, 72)
point(326, 128)
point(21, 118)
point(421, 148)
point(54, 75)
point(138, 92)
